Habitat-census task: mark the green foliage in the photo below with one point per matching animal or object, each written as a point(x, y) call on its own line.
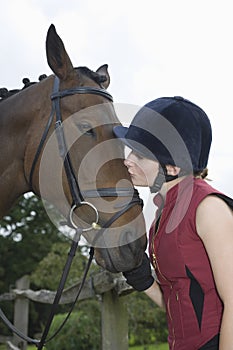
point(81, 332)
point(48, 272)
point(26, 237)
point(147, 326)
point(147, 322)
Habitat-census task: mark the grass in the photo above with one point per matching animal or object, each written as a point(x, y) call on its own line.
point(30, 347)
point(151, 347)
point(146, 347)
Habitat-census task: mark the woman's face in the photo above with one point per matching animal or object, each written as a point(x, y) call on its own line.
point(143, 171)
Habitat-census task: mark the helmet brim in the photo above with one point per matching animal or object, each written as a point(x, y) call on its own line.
point(121, 133)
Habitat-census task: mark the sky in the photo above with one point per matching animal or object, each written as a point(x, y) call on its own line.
point(153, 48)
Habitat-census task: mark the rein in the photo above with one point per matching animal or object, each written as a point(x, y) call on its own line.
point(77, 201)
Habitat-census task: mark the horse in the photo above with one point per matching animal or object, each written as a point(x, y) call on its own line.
point(85, 178)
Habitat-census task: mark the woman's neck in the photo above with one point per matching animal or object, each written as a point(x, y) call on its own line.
point(168, 185)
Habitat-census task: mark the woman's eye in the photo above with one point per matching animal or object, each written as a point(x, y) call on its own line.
point(86, 128)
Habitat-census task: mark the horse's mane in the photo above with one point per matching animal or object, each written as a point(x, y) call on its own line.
point(5, 93)
point(98, 78)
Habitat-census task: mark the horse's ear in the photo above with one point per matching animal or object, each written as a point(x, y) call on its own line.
point(103, 70)
point(57, 57)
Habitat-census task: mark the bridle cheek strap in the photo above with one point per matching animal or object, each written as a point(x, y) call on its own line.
point(77, 199)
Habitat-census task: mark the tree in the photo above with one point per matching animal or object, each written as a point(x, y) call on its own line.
point(147, 322)
point(27, 235)
point(81, 332)
point(48, 273)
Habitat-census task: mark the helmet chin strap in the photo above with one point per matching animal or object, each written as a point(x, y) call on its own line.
point(161, 178)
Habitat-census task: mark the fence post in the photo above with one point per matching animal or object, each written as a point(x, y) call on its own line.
point(114, 322)
point(21, 310)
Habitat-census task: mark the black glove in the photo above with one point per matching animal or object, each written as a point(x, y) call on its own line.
point(140, 278)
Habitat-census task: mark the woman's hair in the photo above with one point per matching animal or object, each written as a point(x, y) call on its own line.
point(202, 174)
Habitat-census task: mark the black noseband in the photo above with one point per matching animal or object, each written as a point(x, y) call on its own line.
point(77, 199)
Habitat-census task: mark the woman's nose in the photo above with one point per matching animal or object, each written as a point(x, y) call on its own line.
point(126, 162)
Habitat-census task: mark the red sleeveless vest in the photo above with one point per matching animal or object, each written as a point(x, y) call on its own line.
point(194, 309)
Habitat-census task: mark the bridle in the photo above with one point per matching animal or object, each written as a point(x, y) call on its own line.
point(79, 198)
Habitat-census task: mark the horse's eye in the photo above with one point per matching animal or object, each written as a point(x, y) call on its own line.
point(86, 128)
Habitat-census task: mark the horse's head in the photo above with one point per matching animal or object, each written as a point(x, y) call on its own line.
point(88, 182)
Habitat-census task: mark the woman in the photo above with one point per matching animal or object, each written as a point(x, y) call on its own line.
point(191, 238)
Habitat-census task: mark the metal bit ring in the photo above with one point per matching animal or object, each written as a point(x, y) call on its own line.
point(94, 224)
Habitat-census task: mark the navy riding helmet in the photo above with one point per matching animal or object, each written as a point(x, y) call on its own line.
point(171, 130)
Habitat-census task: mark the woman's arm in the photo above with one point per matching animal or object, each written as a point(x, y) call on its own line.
point(154, 292)
point(214, 222)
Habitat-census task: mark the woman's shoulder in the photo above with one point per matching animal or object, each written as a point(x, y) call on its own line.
point(212, 212)
point(209, 194)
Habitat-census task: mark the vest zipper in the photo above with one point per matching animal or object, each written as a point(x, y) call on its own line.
point(155, 263)
point(156, 266)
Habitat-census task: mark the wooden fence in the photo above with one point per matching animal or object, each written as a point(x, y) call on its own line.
point(111, 288)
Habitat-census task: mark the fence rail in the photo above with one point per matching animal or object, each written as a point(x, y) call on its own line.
point(111, 288)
